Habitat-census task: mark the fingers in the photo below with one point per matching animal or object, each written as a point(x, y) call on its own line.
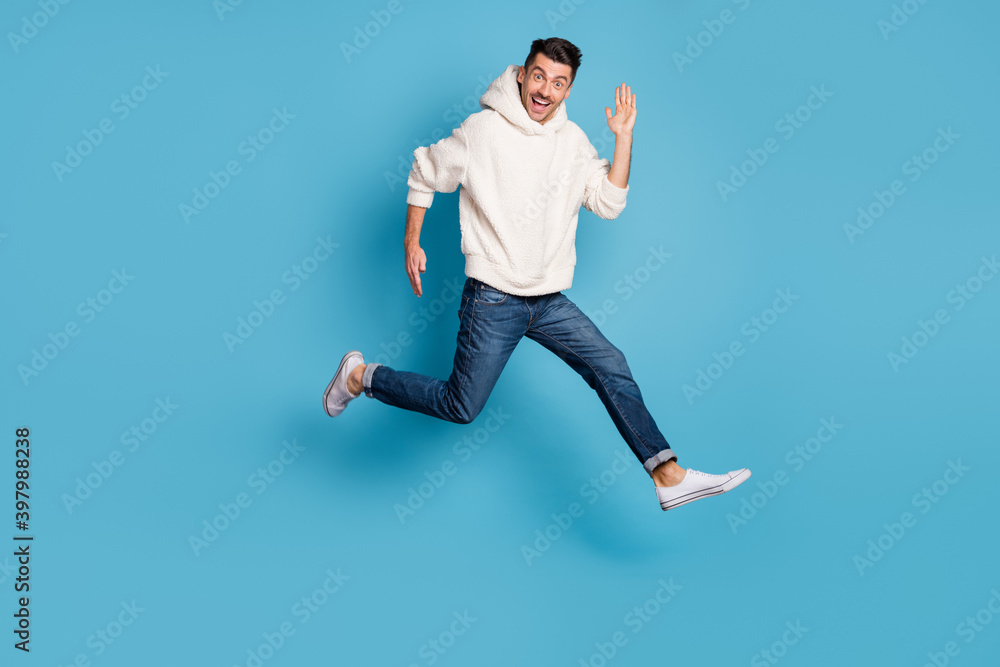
point(411, 273)
point(414, 280)
point(624, 96)
point(417, 266)
point(416, 263)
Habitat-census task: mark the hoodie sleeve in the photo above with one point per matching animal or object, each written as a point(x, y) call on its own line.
point(601, 196)
point(438, 168)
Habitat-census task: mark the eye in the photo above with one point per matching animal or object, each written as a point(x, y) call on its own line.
point(559, 84)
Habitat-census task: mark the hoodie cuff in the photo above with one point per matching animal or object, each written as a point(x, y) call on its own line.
point(418, 198)
point(613, 195)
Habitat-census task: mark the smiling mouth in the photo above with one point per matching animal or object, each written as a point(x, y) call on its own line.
point(539, 105)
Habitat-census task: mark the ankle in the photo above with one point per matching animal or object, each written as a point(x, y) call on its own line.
point(354, 384)
point(668, 474)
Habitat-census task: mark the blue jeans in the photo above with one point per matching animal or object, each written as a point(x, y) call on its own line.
point(492, 324)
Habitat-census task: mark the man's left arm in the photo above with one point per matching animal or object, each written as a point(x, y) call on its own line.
point(621, 125)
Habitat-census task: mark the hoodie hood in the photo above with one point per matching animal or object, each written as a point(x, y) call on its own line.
point(504, 97)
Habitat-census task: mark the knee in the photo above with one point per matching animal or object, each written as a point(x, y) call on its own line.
point(465, 414)
point(617, 357)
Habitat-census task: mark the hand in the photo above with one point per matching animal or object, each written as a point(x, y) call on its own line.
point(624, 118)
point(416, 263)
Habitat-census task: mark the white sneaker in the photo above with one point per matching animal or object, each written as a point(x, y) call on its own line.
point(337, 396)
point(697, 485)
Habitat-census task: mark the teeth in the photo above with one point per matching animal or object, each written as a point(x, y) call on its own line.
point(539, 102)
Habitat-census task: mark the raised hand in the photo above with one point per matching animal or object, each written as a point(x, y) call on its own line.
point(624, 118)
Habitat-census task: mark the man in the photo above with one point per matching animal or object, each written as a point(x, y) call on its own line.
point(525, 170)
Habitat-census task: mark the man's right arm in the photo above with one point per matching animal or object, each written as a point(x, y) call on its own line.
point(416, 260)
point(436, 168)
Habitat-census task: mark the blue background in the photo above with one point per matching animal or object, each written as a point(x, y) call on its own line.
point(329, 175)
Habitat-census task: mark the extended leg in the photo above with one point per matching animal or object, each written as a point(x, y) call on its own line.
point(564, 329)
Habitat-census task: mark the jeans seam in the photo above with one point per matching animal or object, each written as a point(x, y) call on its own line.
point(461, 310)
point(465, 357)
point(531, 318)
point(601, 379)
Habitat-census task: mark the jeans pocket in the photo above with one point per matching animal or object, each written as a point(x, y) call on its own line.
point(491, 295)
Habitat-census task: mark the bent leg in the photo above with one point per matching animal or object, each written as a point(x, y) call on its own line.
point(563, 328)
point(488, 334)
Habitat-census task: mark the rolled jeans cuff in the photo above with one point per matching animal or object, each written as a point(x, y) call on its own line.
point(661, 457)
point(366, 378)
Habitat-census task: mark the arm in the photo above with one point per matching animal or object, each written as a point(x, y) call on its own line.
point(436, 168)
point(622, 160)
point(606, 186)
point(621, 125)
point(415, 259)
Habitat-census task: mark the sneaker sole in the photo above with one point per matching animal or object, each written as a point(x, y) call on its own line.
point(710, 491)
point(329, 387)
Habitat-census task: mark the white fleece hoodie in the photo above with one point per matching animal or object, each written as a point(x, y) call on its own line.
point(523, 183)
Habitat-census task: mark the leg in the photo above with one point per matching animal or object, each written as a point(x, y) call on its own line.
point(491, 325)
point(563, 328)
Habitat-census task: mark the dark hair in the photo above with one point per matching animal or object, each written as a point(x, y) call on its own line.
point(557, 49)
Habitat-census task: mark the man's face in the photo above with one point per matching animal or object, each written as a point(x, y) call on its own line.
point(545, 81)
